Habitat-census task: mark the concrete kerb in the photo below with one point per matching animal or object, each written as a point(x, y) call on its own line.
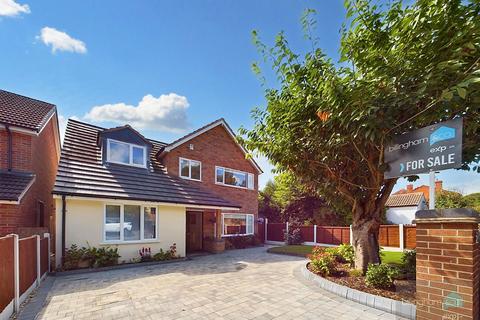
point(399, 308)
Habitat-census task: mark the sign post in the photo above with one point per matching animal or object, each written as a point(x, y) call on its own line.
point(429, 149)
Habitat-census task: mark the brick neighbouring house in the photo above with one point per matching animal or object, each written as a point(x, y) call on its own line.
point(29, 154)
point(115, 187)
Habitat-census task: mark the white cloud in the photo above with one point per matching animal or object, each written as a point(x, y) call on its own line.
point(9, 8)
point(61, 41)
point(165, 113)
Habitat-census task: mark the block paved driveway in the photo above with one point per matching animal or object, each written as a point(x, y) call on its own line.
point(237, 284)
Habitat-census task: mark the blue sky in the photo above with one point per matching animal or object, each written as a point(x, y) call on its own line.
point(167, 67)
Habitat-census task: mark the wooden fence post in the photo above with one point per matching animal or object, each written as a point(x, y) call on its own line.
point(16, 272)
point(315, 234)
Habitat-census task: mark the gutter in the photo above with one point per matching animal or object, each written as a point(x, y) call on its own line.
point(64, 211)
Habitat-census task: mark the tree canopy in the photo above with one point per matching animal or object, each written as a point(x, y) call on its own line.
point(401, 67)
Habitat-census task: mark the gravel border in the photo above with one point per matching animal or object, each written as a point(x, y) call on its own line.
point(399, 308)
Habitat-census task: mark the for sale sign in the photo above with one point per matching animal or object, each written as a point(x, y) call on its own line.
point(433, 148)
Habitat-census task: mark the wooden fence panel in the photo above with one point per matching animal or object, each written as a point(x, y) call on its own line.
point(307, 233)
point(410, 236)
point(389, 236)
point(44, 255)
point(261, 232)
point(7, 285)
point(276, 232)
point(28, 262)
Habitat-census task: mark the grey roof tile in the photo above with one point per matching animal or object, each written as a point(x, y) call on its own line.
point(14, 184)
point(81, 173)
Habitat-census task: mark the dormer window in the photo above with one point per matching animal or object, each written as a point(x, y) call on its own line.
point(126, 153)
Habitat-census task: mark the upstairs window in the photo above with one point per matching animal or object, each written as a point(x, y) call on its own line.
point(190, 169)
point(234, 178)
point(126, 153)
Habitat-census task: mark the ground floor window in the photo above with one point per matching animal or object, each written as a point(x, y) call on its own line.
point(235, 224)
point(130, 222)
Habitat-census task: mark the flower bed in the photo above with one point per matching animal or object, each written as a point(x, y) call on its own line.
point(390, 281)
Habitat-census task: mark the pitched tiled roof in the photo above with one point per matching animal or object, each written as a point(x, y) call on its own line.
point(81, 173)
point(13, 185)
point(20, 111)
point(404, 199)
point(205, 128)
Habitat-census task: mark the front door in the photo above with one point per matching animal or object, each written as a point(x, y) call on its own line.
point(194, 231)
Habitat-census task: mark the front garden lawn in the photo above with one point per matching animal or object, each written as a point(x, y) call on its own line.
point(389, 257)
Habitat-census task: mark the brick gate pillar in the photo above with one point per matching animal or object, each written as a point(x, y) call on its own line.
point(448, 264)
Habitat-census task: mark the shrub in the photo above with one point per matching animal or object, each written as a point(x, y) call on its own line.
point(346, 253)
point(102, 257)
point(409, 261)
point(239, 242)
point(170, 254)
point(322, 261)
point(293, 236)
point(355, 273)
point(380, 275)
point(73, 256)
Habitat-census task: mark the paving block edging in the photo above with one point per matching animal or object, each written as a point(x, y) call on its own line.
point(398, 308)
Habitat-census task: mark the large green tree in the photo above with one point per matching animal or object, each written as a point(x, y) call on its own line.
point(401, 68)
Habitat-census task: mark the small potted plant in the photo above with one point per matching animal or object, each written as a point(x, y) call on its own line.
point(214, 245)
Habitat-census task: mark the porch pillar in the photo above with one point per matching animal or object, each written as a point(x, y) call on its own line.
point(218, 224)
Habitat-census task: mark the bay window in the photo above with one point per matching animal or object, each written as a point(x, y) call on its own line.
point(234, 178)
point(237, 224)
point(190, 169)
point(126, 153)
point(125, 223)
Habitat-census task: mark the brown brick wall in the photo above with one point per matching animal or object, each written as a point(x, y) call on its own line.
point(217, 148)
point(447, 262)
point(36, 154)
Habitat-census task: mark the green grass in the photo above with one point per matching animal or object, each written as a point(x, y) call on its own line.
point(389, 257)
point(294, 250)
point(392, 257)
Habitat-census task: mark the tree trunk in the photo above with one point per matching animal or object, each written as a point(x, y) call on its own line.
point(365, 241)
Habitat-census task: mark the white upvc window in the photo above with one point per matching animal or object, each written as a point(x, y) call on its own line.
point(130, 223)
point(126, 153)
point(190, 169)
point(234, 178)
point(237, 224)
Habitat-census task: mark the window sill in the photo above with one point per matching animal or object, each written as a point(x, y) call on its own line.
point(187, 178)
point(237, 235)
point(116, 242)
point(228, 185)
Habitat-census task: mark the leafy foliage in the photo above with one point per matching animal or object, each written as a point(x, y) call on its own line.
point(450, 199)
point(380, 275)
point(170, 254)
point(402, 67)
point(473, 200)
point(409, 261)
point(293, 236)
point(94, 257)
point(322, 261)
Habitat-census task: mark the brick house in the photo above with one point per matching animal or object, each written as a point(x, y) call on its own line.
point(29, 154)
point(115, 187)
point(423, 189)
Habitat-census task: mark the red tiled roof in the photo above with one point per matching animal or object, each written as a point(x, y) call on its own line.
point(24, 112)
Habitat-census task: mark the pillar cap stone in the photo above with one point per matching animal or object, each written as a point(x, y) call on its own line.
point(447, 215)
